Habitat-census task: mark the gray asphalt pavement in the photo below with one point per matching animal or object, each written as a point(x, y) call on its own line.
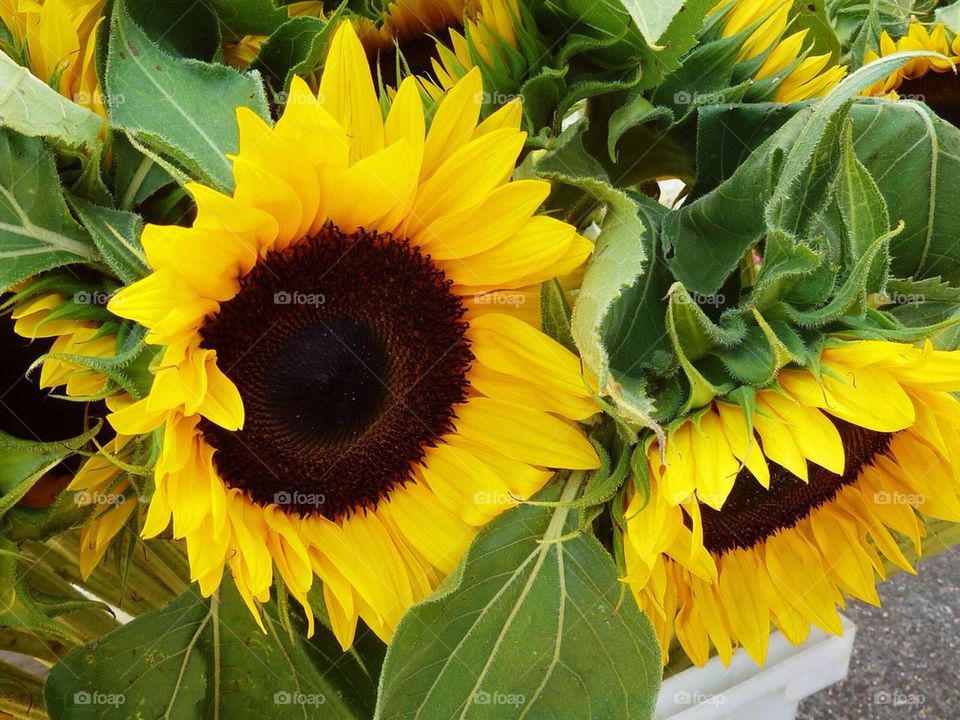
point(906, 661)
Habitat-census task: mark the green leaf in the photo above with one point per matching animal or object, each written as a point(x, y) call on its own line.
point(652, 17)
point(531, 626)
point(116, 233)
point(616, 264)
point(555, 315)
point(37, 232)
point(248, 17)
point(24, 462)
point(634, 329)
point(179, 27)
point(899, 144)
point(198, 658)
point(137, 176)
point(31, 107)
point(863, 210)
point(183, 109)
point(811, 15)
point(782, 186)
point(295, 48)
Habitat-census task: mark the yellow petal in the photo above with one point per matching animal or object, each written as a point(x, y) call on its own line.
point(347, 92)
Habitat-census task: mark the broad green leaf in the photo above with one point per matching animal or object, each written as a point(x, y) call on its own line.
point(899, 144)
point(652, 17)
point(616, 264)
point(534, 624)
point(634, 328)
point(182, 28)
point(202, 658)
point(116, 233)
point(184, 109)
point(914, 158)
point(949, 16)
point(31, 107)
point(782, 186)
point(37, 232)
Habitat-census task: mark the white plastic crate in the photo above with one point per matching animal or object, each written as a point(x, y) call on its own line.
point(743, 691)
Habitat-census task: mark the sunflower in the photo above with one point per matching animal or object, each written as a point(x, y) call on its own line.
point(99, 481)
point(56, 40)
point(324, 394)
point(930, 80)
point(441, 41)
point(804, 76)
point(775, 515)
point(37, 317)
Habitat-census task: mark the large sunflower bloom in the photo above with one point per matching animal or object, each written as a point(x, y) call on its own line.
point(56, 40)
point(744, 529)
point(805, 76)
point(327, 405)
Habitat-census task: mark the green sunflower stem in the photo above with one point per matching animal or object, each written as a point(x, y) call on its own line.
point(21, 694)
point(146, 584)
point(27, 642)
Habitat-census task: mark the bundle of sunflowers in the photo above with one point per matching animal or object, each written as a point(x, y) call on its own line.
point(463, 358)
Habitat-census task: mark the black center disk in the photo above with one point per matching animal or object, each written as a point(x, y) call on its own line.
point(940, 91)
point(350, 353)
point(26, 410)
point(752, 514)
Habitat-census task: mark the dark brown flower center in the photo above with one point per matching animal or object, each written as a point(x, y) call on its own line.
point(940, 91)
point(752, 513)
point(26, 410)
point(350, 354)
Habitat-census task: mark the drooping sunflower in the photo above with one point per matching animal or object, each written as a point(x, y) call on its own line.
point(804, 76)
point(56, 39)
point(37, 318)
point(328, 404)
point(441, 41)
point(930, 80)
point(774, 516)
point(98, 482)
